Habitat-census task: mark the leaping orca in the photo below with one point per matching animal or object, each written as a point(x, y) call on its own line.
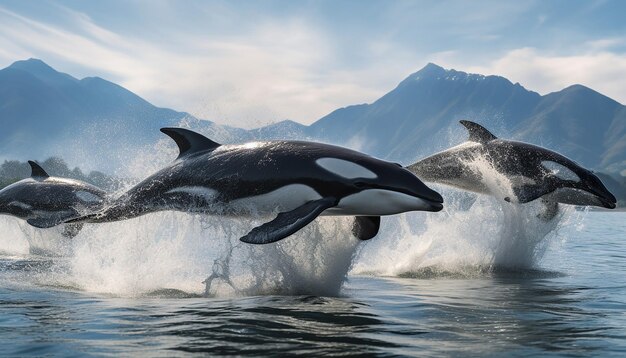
point(300, 180)
point(534, 172)
point(45, 201)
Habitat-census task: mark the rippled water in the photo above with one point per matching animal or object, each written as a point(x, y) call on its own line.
point(570, 302)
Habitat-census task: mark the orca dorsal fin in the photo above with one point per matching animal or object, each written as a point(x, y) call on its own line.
point(37, 171)
point(477, 133)
point(189, 142)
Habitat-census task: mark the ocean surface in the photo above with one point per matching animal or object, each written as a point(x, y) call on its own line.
point(483, 281)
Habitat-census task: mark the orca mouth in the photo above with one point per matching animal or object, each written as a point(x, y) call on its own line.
point(435, 207)
point(430, 196)
point(433, 199)
point(607, 199)
point(426, 194)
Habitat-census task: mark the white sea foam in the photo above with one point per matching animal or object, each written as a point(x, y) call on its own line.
point(17, 237)
point(467, 238)
point(180, 251)
point(12, 239)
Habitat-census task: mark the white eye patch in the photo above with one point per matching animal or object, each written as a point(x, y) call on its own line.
point(346, 169)
point(560, 171)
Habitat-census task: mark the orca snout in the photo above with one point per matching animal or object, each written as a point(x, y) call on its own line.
point(392, 192)
point(434, 207)
point(410, 184)
point(433, 200)
point(422, 191)
point(598, 188)
point(608, 200)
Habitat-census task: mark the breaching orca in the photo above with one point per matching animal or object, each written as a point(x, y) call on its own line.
point(300, 180)
point(534, 172)
point(45, 201)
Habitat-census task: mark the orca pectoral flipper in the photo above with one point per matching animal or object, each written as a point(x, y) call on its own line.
point(289, 222)
point(365, 227)
point(80, 219)
point(45, 223)
point(528, 193)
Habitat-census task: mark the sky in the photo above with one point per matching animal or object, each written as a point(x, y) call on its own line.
point(251, 63)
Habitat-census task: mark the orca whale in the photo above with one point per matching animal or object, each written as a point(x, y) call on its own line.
point(299, 180)
point(534, 172)
point(45, 201)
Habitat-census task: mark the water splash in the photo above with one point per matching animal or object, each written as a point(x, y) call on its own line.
point(19, 238)
point(13, 240)
point(474, 235)
point(200, 255)
point(178, 251)
point(192, 253)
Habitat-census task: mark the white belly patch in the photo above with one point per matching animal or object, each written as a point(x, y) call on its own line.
point(377, 202)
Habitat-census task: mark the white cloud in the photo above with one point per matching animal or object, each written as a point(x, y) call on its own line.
point(274, 72)
point(42, 40)
point(605, 44)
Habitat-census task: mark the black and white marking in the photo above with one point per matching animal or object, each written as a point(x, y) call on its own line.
point(534, 172)
point(45, 201)
point(298, 180)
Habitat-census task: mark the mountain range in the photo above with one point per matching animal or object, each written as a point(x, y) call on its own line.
point(47, 113)
point(421, 115)
point(44, 112)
